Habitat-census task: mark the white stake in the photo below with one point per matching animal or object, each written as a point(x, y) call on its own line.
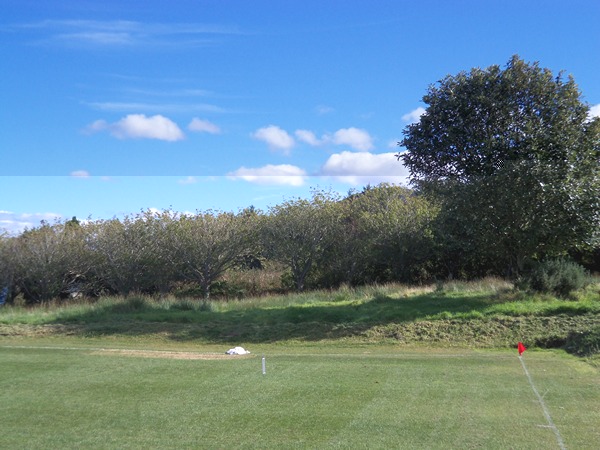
point(264, 366)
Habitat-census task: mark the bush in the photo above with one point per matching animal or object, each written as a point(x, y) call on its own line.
point(586, 343)
point(556, 276)
point(134, 304)
point(182, 289)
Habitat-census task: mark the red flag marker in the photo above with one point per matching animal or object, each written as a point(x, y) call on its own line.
point(521, 348)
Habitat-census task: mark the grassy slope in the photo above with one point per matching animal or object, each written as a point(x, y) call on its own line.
point(483, 314)
point(339, 374)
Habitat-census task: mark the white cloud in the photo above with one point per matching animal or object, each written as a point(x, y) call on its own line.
point(203, 126)
point(354, 137)
point(80, 174)
point(283, 174)
point(15, 223)
point(414, 116)
point(594, 112)
point(363, 168)
point(188, 180)
point(279, 139)
point(308, 137)
point(275, 137)
point(138, 126)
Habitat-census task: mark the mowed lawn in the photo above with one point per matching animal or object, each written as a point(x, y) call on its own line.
point(310, 397)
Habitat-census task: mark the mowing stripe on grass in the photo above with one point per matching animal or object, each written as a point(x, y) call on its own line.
point(561, 444)
point(130, 352)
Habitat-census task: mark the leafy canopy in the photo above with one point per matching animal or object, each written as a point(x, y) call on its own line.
point(514, 158)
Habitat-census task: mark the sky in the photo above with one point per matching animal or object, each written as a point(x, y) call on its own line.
point(113, 107)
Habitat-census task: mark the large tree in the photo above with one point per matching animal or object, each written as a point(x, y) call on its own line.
point(514, 158)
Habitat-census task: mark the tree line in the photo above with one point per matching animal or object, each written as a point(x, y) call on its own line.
point(505, 171)
point(380, 234)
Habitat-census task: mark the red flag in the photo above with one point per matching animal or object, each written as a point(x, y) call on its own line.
point(521, 348)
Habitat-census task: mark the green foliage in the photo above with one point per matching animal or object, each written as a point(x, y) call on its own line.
point(184, 289)
point(557, 276)
point(131, 305)
point(384, 235)
point(513, 159)
point(584, 343)
point(202, 247)
point(128, 255)
point(43, 263)
point(298, 233)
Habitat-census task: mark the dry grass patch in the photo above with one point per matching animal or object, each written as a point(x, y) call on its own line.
point(166, 354)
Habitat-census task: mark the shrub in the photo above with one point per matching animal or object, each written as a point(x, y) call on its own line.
point(184, 304)
point(130, 305)
point(182, 289)
point(557, 276)
point(227, 289)
point(586, 343)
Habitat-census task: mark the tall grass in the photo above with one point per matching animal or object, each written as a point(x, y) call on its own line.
point(487, 312)
point(454, 299)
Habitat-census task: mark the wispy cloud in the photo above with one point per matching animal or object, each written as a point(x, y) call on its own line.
point(138, 126)
point(120, 33)
point(203, 126)
point(283, 174)
point(169, 93)
point(80, 174)
point(188, 180)
point(364, 167)
point(321, 110)
point(155, 107)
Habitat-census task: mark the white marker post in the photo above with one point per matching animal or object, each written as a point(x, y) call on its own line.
point(264, 365)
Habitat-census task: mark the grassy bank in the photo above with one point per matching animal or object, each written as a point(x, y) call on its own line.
point(373, 367)
point(488, 313)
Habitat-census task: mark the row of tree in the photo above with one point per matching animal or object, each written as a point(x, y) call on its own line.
point(380, 234)
point(505, 165)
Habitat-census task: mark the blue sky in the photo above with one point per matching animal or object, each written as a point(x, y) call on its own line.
point(115, 106)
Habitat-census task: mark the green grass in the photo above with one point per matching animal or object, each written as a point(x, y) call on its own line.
point(487, 313)
point(371, 367)
point(313, 396)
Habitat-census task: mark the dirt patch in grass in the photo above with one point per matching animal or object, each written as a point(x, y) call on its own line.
point(166, 354)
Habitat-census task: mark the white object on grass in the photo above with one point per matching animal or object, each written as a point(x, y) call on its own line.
point(237, 351)
point(264, 365)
